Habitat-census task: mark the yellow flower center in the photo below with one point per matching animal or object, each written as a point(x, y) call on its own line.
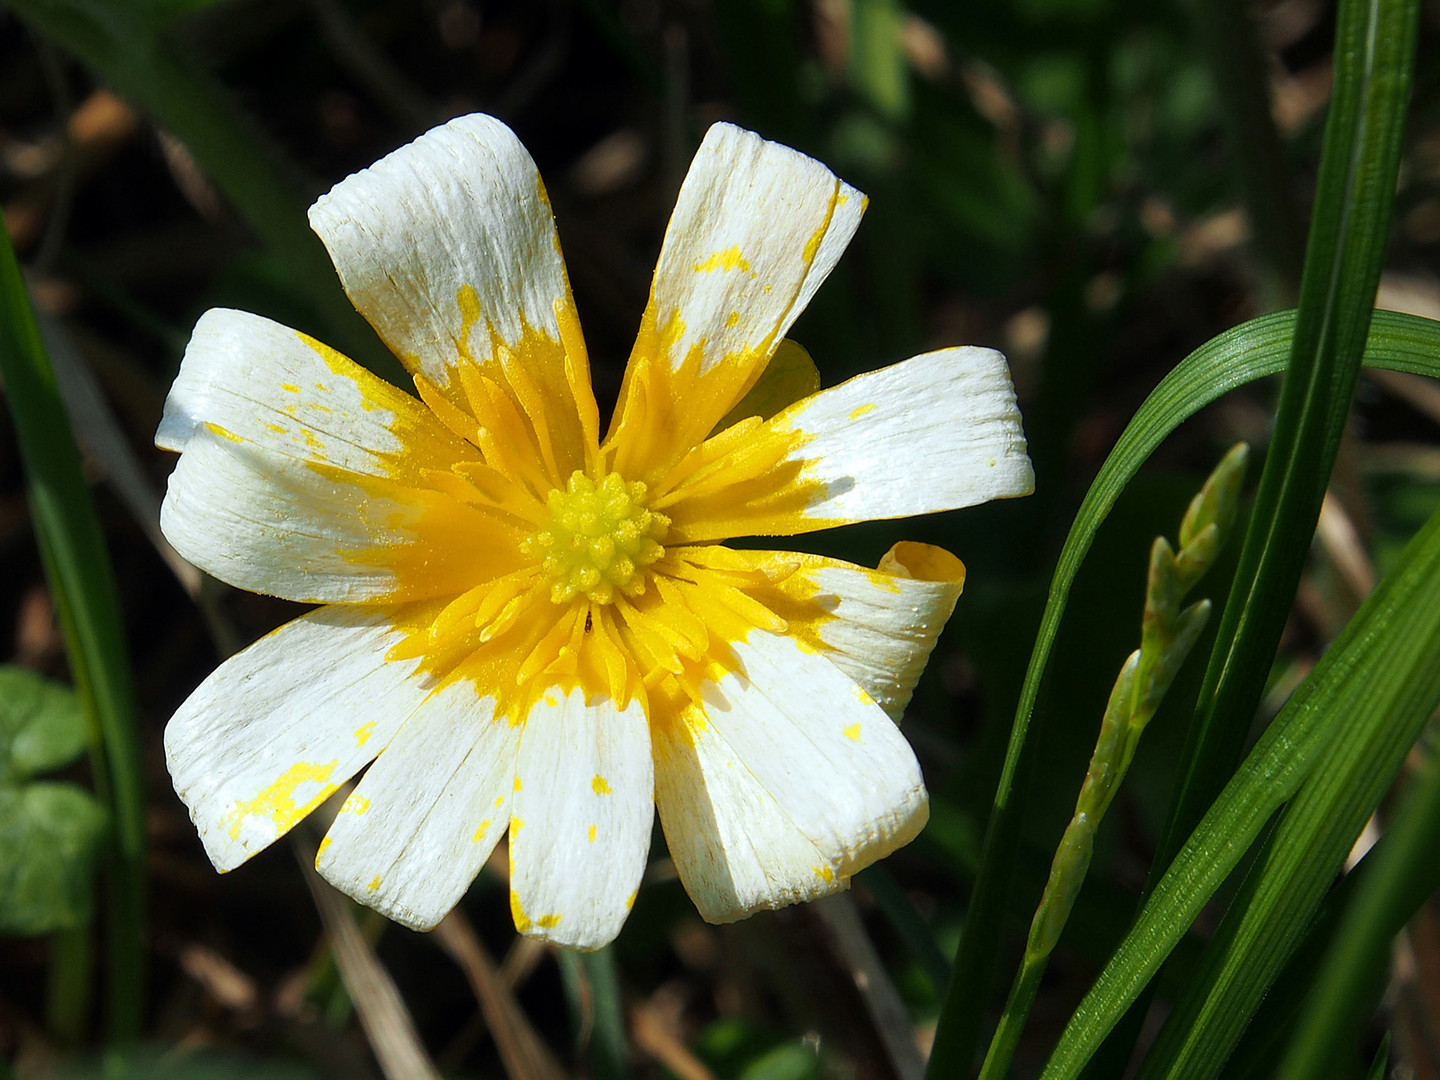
point(600, 538)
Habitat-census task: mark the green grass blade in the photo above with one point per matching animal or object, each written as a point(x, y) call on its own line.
point(1374, 60)
point(1374, 730)
point(1405, 873)
point(83, 587)
point(1250, 351)
point(592, 986)
point(130, 52)
point(1348, 724)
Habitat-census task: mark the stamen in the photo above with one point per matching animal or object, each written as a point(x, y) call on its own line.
point(600, 538)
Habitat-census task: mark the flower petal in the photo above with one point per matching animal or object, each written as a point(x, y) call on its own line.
point(790, 781)
point(580, 819)
point(285, 391)
point(422, 821)
point(279, 726)
point(877, 626)
point(936, 432)
point(276, 524)
point(756, 229)
point(448, 247)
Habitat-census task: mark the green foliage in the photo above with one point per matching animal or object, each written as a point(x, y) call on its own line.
point(78, 567)
point(737, 1049)
point(147, 1063)
point(49, 831)
point(1167, 635)
point(1333, 749)
point(1028, 171)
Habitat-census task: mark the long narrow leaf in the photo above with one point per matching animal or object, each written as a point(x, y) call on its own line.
point(1379, 676)
point(1250, 351)
point(1405, 873)
point(1350, 225)
point(83, 588)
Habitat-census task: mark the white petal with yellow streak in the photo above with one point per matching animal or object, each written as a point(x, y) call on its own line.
point(273, 524)
point(793, 780)
point(756, 229)
point(275, 387)
point(581, 815)
point(411, 837)
point(278, 727)
point(936, 432)
point(878, 626)
point(448, 247)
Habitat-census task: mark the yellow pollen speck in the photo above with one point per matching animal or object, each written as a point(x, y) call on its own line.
point(355, 803)
point(600, 538)
point(523, 922)
point(374, 883)
point(853, 733)
point(631, 902)
point(826, 874)
point(363, 733)
point(217, 430)
point(861, 410)
point(481, 831)
point(863, 696)
point(592, 834)
point(514, 787)
point(600, 785)
point(499, 800)
point(290, 388)
point(732, 320)
point(277, 802)
point(726, 259)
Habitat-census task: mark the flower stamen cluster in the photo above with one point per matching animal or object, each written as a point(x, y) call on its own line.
point(600, 538)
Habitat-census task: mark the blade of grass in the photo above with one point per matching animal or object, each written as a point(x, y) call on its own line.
point(1285, 885)
point(592, 986)
point(1374, 60)
point(82, 585)
point(1374, 56)
point(1250, 351)
point(1405, 874)
point(1378, 677)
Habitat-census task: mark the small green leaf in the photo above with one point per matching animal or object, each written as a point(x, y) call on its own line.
point(49, 836)
point(49, 832)
point(42, 726)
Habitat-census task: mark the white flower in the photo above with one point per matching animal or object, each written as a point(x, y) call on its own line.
point(528, 627)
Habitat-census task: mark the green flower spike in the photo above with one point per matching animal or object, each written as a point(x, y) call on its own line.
point(1167, 634)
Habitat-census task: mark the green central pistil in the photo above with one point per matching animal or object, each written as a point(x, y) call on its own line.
point(600, 538)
